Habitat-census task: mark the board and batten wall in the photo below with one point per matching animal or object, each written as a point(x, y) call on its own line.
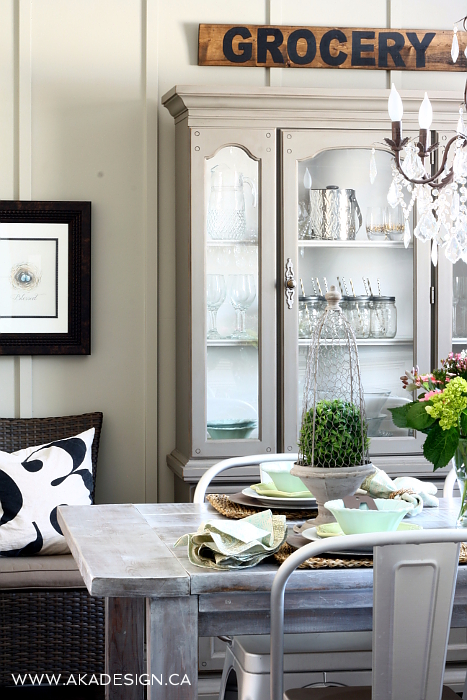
point(80, 115)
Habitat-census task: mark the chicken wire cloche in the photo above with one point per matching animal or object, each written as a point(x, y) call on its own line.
point(333, 444)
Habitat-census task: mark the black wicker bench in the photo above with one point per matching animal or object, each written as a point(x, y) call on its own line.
point(48, 621)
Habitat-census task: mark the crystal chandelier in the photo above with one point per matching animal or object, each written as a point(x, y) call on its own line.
point(441, 198)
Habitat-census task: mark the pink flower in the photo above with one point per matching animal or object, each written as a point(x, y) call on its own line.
point(429, 394)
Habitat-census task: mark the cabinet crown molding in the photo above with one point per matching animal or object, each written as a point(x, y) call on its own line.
point(289, 107)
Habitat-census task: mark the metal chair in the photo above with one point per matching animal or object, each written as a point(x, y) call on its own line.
point(413, 591)
point(216, 469)
point(309, 659)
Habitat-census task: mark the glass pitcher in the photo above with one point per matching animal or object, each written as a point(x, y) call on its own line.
point(226, 209)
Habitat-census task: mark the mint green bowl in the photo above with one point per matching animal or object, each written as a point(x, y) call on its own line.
point(355, 522)
point(283, 480)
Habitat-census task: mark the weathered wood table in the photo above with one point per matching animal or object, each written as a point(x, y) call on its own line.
point(125, 554)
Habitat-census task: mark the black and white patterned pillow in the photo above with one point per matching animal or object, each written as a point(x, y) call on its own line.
point(33, 483)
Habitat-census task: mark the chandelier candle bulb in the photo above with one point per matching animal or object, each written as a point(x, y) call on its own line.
point(396, 110)
point(319, 287)
point(395, 106)
point(425, 114)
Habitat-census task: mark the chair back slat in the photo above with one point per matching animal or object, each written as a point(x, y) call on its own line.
point(413, 588)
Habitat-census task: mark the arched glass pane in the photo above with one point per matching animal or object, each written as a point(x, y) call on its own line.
point(232, 293)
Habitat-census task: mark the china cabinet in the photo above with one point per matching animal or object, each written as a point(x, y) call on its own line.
point(282, 193)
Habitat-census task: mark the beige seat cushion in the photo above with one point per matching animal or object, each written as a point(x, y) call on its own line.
point(349, 693)
point(57, 571)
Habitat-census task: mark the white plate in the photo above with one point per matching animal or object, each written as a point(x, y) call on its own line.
point(313, 536)
point(281, 502)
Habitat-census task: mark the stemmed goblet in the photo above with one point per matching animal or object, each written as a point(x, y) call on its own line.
point(215, 296)
point(242, 293)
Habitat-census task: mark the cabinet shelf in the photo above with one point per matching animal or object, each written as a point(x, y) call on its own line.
point(230, 342)
point(253, 243)
point(459, 341)
point(352, 244)
point(368, 341)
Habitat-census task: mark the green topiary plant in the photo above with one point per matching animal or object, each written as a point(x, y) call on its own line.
point(338, 435)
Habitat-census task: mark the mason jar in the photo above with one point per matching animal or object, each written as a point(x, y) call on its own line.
point(310, 310)
point(359, 315)
point(383, 321)
point(346, 308)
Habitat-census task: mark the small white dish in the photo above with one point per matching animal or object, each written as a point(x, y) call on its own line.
point(354, 521)
point(280, 474)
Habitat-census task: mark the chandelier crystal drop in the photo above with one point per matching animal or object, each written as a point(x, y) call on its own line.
point(455, 46)
point(441, 198)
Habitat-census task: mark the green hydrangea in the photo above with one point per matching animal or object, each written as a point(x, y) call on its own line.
point(448, 405)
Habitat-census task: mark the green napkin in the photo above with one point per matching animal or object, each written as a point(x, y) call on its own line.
point(235, 544)
point(268, 489)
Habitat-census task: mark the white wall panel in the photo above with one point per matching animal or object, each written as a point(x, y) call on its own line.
point(8, 164)
point(87, 143)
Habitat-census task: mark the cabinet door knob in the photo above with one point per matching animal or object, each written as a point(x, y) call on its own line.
point(290, 283)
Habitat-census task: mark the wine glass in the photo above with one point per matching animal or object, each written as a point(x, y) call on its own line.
point(242, 293)
point(215, 296)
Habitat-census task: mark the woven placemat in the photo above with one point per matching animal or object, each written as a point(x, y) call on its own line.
point(345, 563)
point(224, 505)
point(323, 562)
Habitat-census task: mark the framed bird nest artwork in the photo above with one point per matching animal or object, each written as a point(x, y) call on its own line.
point(45, 278)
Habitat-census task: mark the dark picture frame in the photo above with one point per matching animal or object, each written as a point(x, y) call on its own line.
point(45, 306)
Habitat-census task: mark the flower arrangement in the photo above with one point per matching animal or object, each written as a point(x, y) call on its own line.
point(440, 410)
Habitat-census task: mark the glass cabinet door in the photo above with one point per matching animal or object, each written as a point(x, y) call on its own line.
point(338, 229)
point(233, 264)
point(450, 297)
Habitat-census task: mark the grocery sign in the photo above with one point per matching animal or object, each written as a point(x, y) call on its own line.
point(328, 47)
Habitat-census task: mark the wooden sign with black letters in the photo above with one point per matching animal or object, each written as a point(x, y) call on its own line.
point(329, 47)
